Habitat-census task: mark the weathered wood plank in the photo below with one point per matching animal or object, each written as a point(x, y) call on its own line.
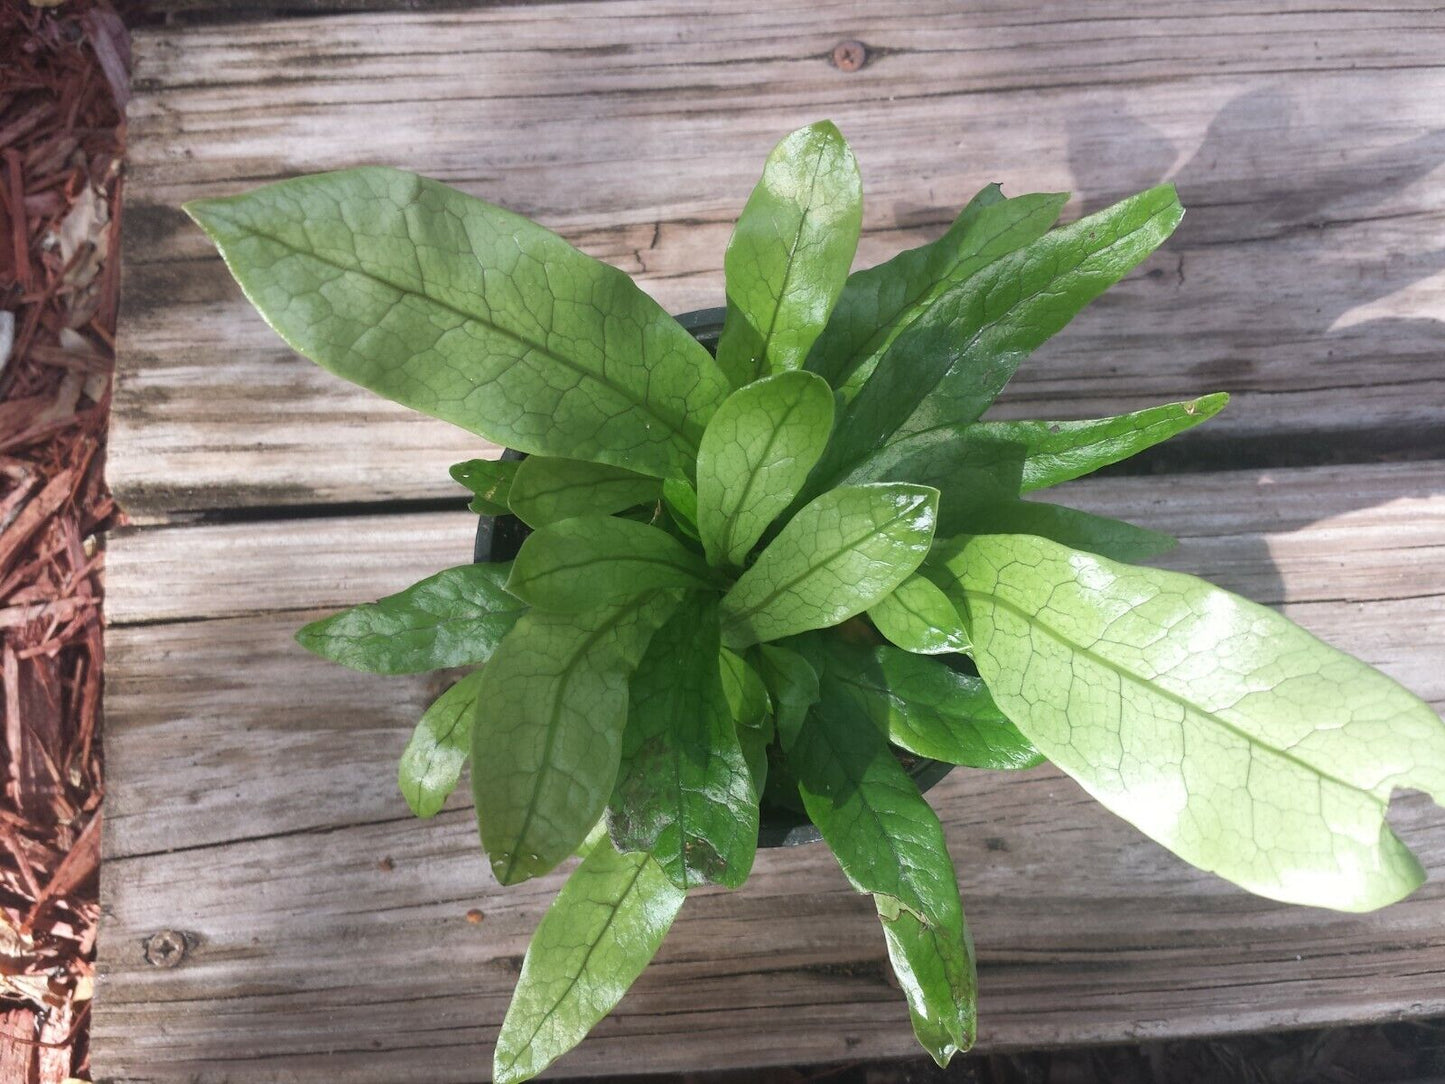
point(259, 812)
point(1305, 138)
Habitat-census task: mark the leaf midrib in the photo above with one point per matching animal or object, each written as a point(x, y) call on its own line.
point(731, 524)
point(792, 257)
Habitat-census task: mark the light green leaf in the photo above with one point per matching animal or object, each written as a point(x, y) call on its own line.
point(681, 501)
point(919, 617)
point(951, 362)
point(439, 746)
point(548, 732)
point(455, 618)
point(790, 253)
point(1068, 526)
point(1219, 728)
point(879, 303)
point(601, 931)
point(747, 696)
point(471, 314)
point(589, 561)
point(936, 970)
point(547, 490)
point(685, 793)
point(835, 558)
point(490, 480)
point(793, 684)
point(755, 456)
point(929, 708)
point(885, 836)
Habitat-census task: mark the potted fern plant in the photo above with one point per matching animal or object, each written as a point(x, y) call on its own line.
point(769, 580)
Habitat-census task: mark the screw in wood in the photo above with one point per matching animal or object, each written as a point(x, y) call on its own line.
point(165, 949)
point(849, 56)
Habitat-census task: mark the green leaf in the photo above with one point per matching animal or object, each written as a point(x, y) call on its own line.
point(548, 733)
point(589, 561)
point(1219, 728)
point(681, 501)
point(790, 253)
point(747, 696)
point(547, 490)
point(919, 617)
point(885, 836)
point(439, 746)
point(1082, 530)
point(951, 362)
point(879, 303)
point(490, 480)
point(793, 685)
point(601, 931)
point(471, 314)
point(936, 970)
point(755, 456)
point(929, 708)
point(455, 618)
point(685, 793)
point(835, 558)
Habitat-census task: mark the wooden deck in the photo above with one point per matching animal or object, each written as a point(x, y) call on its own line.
point(272, 912)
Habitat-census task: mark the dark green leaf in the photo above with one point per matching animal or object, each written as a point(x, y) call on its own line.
point(879, 303)
point(431, 298)
point(1082, 530)
point(681, 501)
point(548, 733)
point(935, 968)
point(790, 253)
point(547, 490)
point(1220, 729)
point(835, 558)
point(455, 618)
point(755, 457)
point(439, 746)
point(919, 617)
point(583, 563)
point(490, 480)
point(793, 683)
point(601, 931)
point(685, 793)
point(930, 709)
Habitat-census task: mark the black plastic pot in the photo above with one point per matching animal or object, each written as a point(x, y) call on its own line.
point(500, 537)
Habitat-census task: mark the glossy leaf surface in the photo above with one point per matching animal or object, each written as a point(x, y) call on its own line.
point(935, 967)
point(455, 618)
point(469, 313)
point(835, 558)
point(1219, 728)
point(547, 490)
point(439, 746)
point(919, 617)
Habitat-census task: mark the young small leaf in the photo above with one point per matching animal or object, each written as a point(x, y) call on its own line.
point(755, 456)
point(430, 297)
point(929, 708)
point(601, 931)
point(1218, 727)
point(439, 746)
point(591, 561)
point(685, 793)
point(681, 502)
point(548, 731)
point(835, 558)
point(747, 696)
point(877, 304)
point(455, 618)
point(935, 968)
point(793, 684)
point(918, 617)
point(490, 480)
point(547, 490)
point(790, 253)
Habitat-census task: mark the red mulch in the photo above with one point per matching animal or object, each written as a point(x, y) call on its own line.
point(63, 86)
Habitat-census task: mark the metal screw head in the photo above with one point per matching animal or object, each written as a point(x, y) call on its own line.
point(849, 56)
point(165, 949)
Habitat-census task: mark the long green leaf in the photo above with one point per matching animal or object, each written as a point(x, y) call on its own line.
point(439, 746)
point(835, 558)
point(877, 304)
point(789, 255)
point(589, 561)
point(455, 618)
point(954, 358)
point(1218, 727)
point(685, 793)
point(936, 969)
point(755, 456)
point(430, 297)
point(601, 931)
point(1081, 530)
point(548, 732)
point(547, 490)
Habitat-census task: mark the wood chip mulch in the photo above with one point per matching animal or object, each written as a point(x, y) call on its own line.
point(63, 88)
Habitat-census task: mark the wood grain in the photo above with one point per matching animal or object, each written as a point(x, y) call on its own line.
point(1305, 138)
